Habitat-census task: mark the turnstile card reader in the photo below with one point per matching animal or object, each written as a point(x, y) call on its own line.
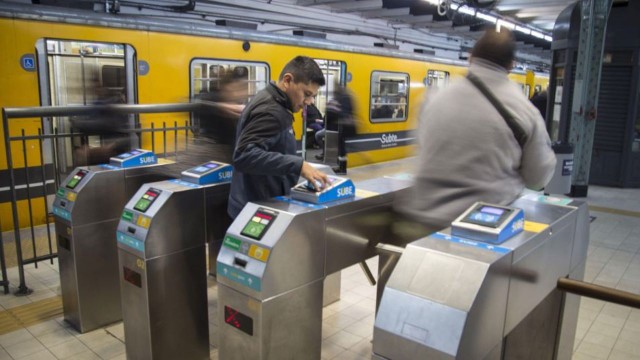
point(339, 188)
point(273, 262)
point(452, 299)
point(87, 208)
point(134, 158)
point(489, 223)
point(161, 240)
point(211, 172)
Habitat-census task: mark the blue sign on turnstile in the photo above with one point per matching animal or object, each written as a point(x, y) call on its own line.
point(137, 157)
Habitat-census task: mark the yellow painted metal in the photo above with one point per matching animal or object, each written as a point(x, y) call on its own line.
point(169, 57)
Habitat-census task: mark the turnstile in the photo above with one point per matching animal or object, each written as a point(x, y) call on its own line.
point(450, 297)
point(274, 259)
point(161, 250)
point(87, 207)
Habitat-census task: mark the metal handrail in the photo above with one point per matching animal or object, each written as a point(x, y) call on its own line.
point(51, 111)
point(599, 292)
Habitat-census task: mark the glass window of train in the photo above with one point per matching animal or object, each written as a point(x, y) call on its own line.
point(437, 78)
point(333, 71)
point(83, 73)
point(209, 76)
point(389, 95)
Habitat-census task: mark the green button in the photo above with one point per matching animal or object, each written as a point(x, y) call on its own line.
point(127, 215)
point(232, 243)
point(60, 192)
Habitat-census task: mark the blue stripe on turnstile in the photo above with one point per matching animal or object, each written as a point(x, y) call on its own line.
point(239, 276)
point(299, 203)
point(478, 244)
point(62, 213)
point(130, 241)
point(110, 167)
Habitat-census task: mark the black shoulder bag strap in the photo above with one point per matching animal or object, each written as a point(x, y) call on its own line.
point(518, 131)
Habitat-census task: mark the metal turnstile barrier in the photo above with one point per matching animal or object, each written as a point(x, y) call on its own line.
point(161, 251)
point(275, 257)
point(454, 298)
point(87, 208)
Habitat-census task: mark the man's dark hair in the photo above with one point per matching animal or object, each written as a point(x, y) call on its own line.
point(497, 47)
point(304, 69)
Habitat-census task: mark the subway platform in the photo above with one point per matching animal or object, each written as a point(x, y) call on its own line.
point(32, 327)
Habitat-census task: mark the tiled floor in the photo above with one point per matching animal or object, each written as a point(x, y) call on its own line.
point(605, 331)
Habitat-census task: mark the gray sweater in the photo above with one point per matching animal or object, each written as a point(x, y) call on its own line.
point(468, 153)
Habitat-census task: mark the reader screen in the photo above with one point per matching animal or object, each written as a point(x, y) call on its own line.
point(259, 223)
point(487, 216)
point(147, 199)
point(211, 165)
point(129, 154)
point(75, 180)
point(200, 169)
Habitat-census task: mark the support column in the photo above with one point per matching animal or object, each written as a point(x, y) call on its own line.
point(593, 26)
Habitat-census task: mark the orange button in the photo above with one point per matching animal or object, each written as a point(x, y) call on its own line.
point(71, 196)
point(259, 253)
point(143, 221)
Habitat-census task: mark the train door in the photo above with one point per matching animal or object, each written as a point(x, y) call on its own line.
point(86, 73)
point(334, 73)
point(231, 84)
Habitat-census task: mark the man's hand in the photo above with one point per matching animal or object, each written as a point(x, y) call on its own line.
point(314, 176)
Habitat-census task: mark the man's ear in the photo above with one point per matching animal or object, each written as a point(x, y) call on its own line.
point(287, 80)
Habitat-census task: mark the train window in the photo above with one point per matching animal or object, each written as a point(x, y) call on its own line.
point(229, 81)
point(389, 94)
point(437, 78)
point(84, 73)
point(333, 73)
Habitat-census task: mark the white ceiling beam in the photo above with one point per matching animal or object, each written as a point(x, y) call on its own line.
point(385, 13)
point(352, 6)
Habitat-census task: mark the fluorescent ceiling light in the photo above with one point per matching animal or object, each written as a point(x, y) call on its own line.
point(454, 6)
point(523, 30)
point(548, 38)
point(434, 2)
point(506, 24)
point(537, 34)
point(467, 10)
point(485, 17)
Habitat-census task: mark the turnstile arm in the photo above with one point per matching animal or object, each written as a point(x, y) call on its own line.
point(599, 292)
point(367, 273)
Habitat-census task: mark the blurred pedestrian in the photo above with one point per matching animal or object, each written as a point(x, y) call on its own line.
point(480, 139)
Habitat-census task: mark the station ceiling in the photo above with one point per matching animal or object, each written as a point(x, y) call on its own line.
point(447, 25)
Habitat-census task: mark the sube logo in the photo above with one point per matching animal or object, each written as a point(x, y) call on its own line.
point(147, 160)
point(224, 175)
point(345, 191)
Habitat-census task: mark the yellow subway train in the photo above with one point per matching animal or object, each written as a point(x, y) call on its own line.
point(57, 57)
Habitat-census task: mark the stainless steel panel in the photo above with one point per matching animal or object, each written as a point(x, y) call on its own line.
point(135, 311)
point(445, 300)
point(100, 197)
point(176, 204)
point(331, 291)
point(96, 289)
point(173, 294)
point(306, 243)
point(297, 246)
point(288, 326)
point(542, 266)
point(517, 290)
point(88, 252)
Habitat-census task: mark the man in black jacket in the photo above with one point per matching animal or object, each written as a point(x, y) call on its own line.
point(265, 160)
